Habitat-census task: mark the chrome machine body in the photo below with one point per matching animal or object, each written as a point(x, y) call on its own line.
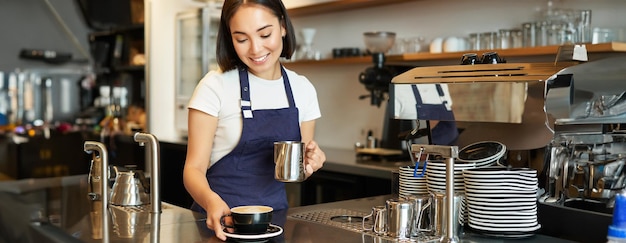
point(588, 151)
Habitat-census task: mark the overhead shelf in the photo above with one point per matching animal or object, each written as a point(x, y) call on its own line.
point(611, 47)
point(337, 6)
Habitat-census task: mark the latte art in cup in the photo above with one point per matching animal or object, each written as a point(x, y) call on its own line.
point(251, 209)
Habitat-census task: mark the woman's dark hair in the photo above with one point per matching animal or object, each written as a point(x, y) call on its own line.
point(227, 58)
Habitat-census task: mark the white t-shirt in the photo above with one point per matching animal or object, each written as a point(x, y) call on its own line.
point(218, 94)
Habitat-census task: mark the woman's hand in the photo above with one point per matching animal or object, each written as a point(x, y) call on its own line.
point(215, 210)
point(314, 158)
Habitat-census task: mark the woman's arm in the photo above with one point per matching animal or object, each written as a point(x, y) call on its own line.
point(202, 129)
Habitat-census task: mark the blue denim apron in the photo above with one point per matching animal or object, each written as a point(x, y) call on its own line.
point(245, 176)
point(445, 132)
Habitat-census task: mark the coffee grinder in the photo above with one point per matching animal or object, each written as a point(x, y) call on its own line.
point(377, 80)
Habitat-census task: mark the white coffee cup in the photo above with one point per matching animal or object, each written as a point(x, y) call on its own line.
point(454, 44)
point(436, 46)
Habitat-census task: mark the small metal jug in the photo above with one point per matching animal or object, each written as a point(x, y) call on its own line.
point(129, 188)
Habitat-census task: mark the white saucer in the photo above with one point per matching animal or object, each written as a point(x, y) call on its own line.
point(443, 179)
point(502, 213)
point(501, 222)
point(489, 184)
point(412, 185)
point(412, 178)
point(533, 228)
point(443, 172)
point(499, 177)
point(424, 187)
point(457, 166)
point(514, 200)
point(500, 204)
point(497, 171)
point(475, 215)
point(492, 208)
point(408, 188)
point(273, 230)
point(525, 182)
point(521, 193)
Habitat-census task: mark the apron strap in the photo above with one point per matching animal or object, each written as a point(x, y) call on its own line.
point(416, 93)
point(292, 103)
point(246, 105)
point(442, 96)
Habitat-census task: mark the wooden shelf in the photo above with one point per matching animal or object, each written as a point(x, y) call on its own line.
point(610, 47)
point(516, 52)
point(341, 5)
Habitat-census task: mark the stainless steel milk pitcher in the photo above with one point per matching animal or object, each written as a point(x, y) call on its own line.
point(289, 160)
point(379, 220)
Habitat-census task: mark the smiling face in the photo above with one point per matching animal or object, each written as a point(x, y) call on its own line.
point(257, 38)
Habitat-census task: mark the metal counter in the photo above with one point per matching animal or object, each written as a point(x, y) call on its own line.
point(56, 210)
point(301, 227)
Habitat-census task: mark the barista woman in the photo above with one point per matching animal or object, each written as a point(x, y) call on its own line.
point(236, 114)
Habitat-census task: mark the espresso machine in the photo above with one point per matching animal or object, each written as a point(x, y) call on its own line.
point(587, 159)
point(584, 164)
point(575, 112)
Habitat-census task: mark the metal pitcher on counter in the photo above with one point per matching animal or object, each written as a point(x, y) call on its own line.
point(130, 187)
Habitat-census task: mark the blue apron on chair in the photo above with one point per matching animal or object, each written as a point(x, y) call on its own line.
point(245, 176)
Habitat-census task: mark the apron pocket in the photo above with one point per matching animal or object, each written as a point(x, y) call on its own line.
point(257, 157)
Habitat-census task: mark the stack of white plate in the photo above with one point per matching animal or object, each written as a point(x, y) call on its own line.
point(411, 182)
point(502, 202)
point(436, 181)
point(436, 175)
point(483, 154)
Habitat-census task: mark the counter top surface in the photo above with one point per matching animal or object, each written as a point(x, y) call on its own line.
point(61, 213)
point(303, 224)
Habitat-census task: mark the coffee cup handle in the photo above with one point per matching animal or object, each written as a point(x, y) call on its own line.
point(224, 223)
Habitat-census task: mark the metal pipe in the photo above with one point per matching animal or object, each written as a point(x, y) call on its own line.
point(450, 221)
point(155, 234)
point(155, 170)
point(89, 147)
